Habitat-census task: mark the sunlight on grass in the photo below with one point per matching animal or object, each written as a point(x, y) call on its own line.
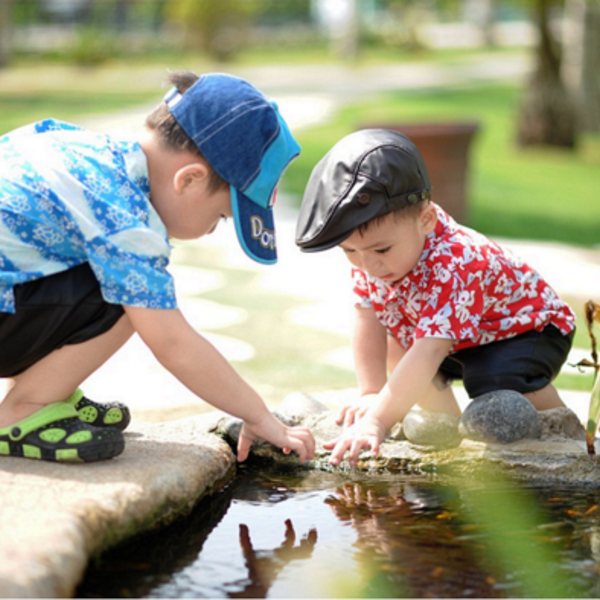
point(289, 357)
point(534, 193)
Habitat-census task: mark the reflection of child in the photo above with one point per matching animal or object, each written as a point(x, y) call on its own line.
point(436, 300)
point(85, 222)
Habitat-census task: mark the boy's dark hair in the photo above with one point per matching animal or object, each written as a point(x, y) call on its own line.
point(170, 133)
point(402, 212)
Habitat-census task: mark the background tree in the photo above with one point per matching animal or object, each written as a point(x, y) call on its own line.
point(581, 64)
point(547, 114)
point(219, 27)
point(5, 29)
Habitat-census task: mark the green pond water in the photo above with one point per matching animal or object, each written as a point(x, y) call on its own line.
point(317, 534)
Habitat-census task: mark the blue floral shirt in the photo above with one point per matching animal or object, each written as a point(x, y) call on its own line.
point(69, 196)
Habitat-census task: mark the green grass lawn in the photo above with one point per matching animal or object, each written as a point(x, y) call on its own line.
point(534, 193)
point(22, 108)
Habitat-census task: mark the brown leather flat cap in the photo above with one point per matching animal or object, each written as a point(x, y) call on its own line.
point(367, 174)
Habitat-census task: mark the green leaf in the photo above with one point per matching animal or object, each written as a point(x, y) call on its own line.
point(594, 414)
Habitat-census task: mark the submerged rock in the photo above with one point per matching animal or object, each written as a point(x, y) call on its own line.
point(500, 417)
point(429, 428)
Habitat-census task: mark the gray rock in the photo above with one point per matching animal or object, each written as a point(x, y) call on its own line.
point(396, 433)
point(502, 417)
point(561, 422)
point(298, 405)
point(429, 428)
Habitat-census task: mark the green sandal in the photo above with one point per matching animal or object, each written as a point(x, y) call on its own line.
point(108, 414)
point(56, 433)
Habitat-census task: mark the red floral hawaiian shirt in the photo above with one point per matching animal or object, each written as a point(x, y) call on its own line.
point(466, 288)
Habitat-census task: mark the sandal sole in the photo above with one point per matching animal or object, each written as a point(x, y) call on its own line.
point(47, 436)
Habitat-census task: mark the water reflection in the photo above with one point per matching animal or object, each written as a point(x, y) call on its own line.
point(310, 534)
point(264, 565)
point(409, 543)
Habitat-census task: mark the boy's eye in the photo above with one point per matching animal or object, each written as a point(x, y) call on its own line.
point(383, 250)
point(346, 250)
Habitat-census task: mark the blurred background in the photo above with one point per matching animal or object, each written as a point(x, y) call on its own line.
point(501, 96)
point(521, 78)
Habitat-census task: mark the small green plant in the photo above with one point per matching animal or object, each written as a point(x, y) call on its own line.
point(592, 314)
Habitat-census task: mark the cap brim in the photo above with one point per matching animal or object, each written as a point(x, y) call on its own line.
point(255, 228)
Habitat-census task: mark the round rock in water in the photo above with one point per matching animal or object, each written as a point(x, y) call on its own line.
point(500, 417)
point(429, 428)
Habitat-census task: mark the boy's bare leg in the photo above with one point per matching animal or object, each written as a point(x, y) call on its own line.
point(439, 396)
point(57, 376)
point(545, 398)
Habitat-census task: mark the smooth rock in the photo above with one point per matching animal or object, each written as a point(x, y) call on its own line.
point(561, 422)
point(500, 417)
point(55, 516)
point(429, 428)
point(299, 405)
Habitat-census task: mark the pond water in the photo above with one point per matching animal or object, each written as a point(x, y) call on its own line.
point(304, 534)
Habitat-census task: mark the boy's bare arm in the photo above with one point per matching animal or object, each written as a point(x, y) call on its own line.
point(410, 379)
point(201, 368)
point(369, 345)
point(406, 386)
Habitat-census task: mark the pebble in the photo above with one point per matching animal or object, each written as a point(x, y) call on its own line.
point(502, 417)
point(429, 428)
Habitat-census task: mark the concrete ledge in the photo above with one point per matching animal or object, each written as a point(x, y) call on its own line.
point(55, 517)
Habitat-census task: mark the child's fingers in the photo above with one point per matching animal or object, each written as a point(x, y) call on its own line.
point(330, 444)
point(350, 416)
point(342, 414)
point(243, 447)
point(338, 452)
point(302, 441)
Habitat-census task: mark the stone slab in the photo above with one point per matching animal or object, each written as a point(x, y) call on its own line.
point(54, 517)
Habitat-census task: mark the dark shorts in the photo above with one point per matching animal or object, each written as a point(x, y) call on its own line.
point(51, 312)
point(524, 363)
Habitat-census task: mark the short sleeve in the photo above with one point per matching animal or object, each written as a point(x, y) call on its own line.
point(360, 286)
point(131, 278)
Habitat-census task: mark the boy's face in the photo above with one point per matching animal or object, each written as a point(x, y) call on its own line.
point(201, 214)
point(391, 248)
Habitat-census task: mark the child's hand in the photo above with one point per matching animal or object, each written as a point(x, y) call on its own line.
point(353, 411)
point(298, 439)
point(367, 433)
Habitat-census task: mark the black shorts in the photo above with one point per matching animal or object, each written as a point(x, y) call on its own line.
point(65, 308)
point(524, 363)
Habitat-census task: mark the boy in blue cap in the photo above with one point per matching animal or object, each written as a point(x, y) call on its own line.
point(85, 222)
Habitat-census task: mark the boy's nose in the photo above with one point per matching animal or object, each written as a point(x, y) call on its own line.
point(370, 264)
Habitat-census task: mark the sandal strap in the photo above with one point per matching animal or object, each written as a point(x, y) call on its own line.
point(57, 411)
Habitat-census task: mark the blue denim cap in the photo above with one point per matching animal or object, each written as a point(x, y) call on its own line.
point(246, 141)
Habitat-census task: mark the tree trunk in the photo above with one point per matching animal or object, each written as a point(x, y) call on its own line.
point(547, 114)
point(581, 64)
point(5, 29)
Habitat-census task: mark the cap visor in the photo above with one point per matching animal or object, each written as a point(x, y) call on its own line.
point(255, 228)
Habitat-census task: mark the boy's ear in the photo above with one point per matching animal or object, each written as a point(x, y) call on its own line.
point(428, 218)
point(190, 176)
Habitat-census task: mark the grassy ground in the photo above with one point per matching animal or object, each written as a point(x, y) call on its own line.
point(534, 193)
